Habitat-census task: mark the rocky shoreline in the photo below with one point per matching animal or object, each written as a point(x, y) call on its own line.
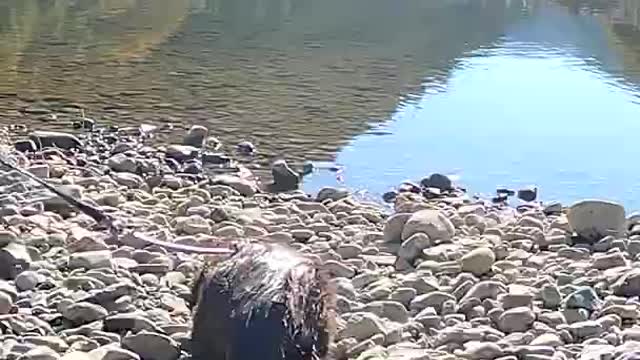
point(444, 276)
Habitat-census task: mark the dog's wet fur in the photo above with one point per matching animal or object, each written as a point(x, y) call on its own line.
point(265, 302)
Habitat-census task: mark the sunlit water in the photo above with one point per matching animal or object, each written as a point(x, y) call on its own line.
point(547, 105)
point(494, 92)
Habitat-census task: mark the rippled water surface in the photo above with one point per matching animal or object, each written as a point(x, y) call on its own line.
point(495, 92)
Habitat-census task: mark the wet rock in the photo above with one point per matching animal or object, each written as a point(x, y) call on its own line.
point(181, 153)
point(215, 158)
point(594, 219)
point(431, 222)
point(84, 124)
point(389, 196)
point(44, 139)
point(246, 148)
point(437, 181)
point(25, 146)
point(552, 208)
point(331, 193)
point(528, 194)
point(284, 178)
point(196, 136)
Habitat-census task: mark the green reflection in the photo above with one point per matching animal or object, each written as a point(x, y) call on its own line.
point(311, 73)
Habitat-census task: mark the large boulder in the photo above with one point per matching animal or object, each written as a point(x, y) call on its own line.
point(393, 227)
point(594, 219)
point(434, 223)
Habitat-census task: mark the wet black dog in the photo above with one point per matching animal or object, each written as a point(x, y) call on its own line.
point(265, 302)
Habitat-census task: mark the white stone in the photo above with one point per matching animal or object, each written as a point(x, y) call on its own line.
point(151, 345)
point(434, 223)
point(595, 219)
point(478, 261)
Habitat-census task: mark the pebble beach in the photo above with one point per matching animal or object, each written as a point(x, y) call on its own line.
point(435, 273)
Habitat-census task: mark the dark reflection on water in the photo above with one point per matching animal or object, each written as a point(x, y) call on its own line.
point(300, 78)
point(498, 91)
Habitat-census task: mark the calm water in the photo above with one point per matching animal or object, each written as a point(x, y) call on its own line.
point(495, 92)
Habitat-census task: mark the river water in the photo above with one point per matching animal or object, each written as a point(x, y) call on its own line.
point(493, 92)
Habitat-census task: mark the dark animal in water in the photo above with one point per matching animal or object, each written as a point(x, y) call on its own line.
point(265, 302)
